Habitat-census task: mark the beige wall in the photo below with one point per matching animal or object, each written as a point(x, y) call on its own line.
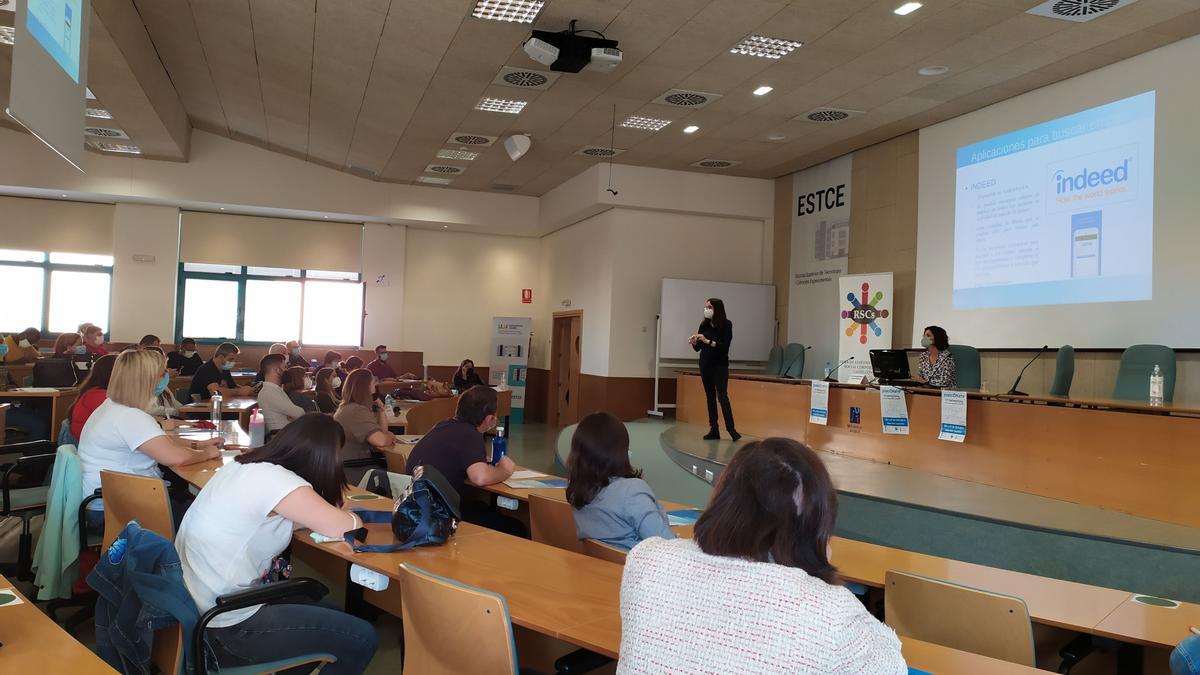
point(143, 293)
point(384, 250)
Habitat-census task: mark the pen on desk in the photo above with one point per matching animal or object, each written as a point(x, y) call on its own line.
point(1195, 630)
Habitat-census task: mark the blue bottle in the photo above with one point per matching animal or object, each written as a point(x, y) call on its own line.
point(499, 446)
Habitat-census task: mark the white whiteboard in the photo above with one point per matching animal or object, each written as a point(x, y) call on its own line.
point(751, 308)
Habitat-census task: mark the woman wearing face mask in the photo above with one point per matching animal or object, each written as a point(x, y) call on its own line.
point(185, 360)
point(22, 347)
point(327, 396)
point(466, 377)
point(93, 339)
point(295, 383)
point(68, 345)
point(712, 340)
point(935, 365)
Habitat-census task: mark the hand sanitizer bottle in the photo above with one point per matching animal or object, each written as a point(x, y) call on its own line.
point(1156, 386)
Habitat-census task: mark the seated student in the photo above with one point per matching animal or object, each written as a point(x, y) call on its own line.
point(333, 360)
point(164, 407)
point(457, 448)
point(121, 436)
point(276, 348)
point(763, 542)
point(23, 346)
point(327, 398)
point(149, 340)
point(242, 521)
point(295, 383)
point(465, 377)
point(276, 407)
point(295, 358)
point(68, 345)
point(1185, 658)
point(352, 364)
point(362, 418)
point(612, 503)
point(935, 365)
point(380, 367)
point(92, 393)
point(185, 360)
point(93, 339)
point(215, 375)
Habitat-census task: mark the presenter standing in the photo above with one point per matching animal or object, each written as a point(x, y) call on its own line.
point(712, 340)
point(935, 365)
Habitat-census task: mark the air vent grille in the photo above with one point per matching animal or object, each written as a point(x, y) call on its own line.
point(473, 140)
point(105, 132)
point(828, 115)
point(525, 78)
point(715, 163)
point(598, 151)
point(124, 148)
point(445, 169)
point(1077, 10)
point(682, 98)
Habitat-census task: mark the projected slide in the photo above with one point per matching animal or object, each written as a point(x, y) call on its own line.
point(1058, 213)
point(55, 25)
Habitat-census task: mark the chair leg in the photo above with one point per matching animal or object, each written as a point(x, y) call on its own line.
point(1075, 651)
point(25, 550)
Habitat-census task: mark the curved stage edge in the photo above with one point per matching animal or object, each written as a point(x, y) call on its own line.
point(912, 510)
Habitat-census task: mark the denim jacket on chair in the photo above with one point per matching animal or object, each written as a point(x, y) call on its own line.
point(139, 579)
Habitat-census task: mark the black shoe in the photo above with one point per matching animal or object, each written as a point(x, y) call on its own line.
point(735, 435)
point(712, 435)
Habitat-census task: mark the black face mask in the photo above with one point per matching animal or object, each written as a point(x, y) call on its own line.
point(470, 372)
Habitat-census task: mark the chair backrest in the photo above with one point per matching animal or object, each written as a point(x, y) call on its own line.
point(959, 617)
point(1137, 363)
point(774, 362)
point(442, 616)
point(793, 360)
point(552, 521)
point(144, 499)
point(967, 369)
point(603, 551)
point(1064, 371)
point(426, 415)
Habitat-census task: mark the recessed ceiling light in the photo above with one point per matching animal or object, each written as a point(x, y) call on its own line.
point(457, 154)
point(766, 47)
point(445, 227)
point(7, 35)
point(222, 208)
point(326, 217)
point(501, 105)
point(907, 8)
point(933, 70)
point(691, 129)
point(763, 90)
point(776, 137)
point(63, 195)
point(433, 180)
point(517, 11)
point(98, 113)
point(644, 123)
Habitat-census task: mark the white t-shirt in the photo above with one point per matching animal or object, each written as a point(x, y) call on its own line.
point(110, 440)
point(229, 536)
point(277, 407)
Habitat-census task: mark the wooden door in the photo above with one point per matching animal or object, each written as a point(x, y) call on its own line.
point(566, 361)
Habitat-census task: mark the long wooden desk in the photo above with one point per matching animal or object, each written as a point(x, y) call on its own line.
point(35, 644)
point(60, 400)
point(1133, 462)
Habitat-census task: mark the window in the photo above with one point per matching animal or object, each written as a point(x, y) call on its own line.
point(54, 291)
point(269, 304)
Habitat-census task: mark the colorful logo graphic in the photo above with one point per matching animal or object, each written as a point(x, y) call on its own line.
point(863, 314)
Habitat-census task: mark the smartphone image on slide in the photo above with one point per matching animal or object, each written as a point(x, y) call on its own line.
point(1085, 244)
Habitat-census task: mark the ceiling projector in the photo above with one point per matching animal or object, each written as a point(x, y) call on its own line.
point(569, 52)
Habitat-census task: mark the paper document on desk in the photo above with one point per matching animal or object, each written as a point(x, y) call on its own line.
point(536, 484)
point(525, 474)
point(37, 390)
point(894, 409)
point(683, 517)
point(408, 440)
point(818, 409)
point(954, 416)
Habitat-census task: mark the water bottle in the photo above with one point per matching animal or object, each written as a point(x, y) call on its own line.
point(215, 416)
point(258, 429)
point(499, 446)
point(1156, 386)
point(389, 405)
point(828, 369)
point(503, 386)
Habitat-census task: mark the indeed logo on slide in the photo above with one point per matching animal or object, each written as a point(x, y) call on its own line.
point(1088, 178)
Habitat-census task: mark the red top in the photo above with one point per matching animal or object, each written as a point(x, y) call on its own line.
point(84, 407)
point(381, 369)
point(98, 350)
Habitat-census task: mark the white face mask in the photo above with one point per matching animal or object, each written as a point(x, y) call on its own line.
point(383, 356)
point(337, 382)
point(24, 344)
point(926, 341)
point(308, 383)
point(708, 312)
point(190, 353)
point(99, 340)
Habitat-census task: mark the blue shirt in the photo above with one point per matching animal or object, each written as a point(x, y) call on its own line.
point(622, 514)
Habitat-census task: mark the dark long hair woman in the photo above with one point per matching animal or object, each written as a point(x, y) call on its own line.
point(712, 341)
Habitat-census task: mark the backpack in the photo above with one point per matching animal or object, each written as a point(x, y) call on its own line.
point(427, 514)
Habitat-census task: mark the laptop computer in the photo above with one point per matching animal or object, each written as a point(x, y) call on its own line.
point(890, 366)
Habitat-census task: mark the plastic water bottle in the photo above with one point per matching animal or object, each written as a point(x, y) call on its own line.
point(389, 405)
point(503, 386)
point(828, 369)
point(499, 446)
point(258, 429)
point(1156, 386)
point(215, 417)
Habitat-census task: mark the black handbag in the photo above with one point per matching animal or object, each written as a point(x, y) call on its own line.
point(427, 514)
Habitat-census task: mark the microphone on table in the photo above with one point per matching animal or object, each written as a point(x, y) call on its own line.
point(829, 377)
point(1013, 390)
point(789, 376)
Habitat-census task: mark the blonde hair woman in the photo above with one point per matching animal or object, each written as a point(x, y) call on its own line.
point(121, 436)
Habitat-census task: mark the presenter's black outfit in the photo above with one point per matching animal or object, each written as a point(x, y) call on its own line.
point(714, 373)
